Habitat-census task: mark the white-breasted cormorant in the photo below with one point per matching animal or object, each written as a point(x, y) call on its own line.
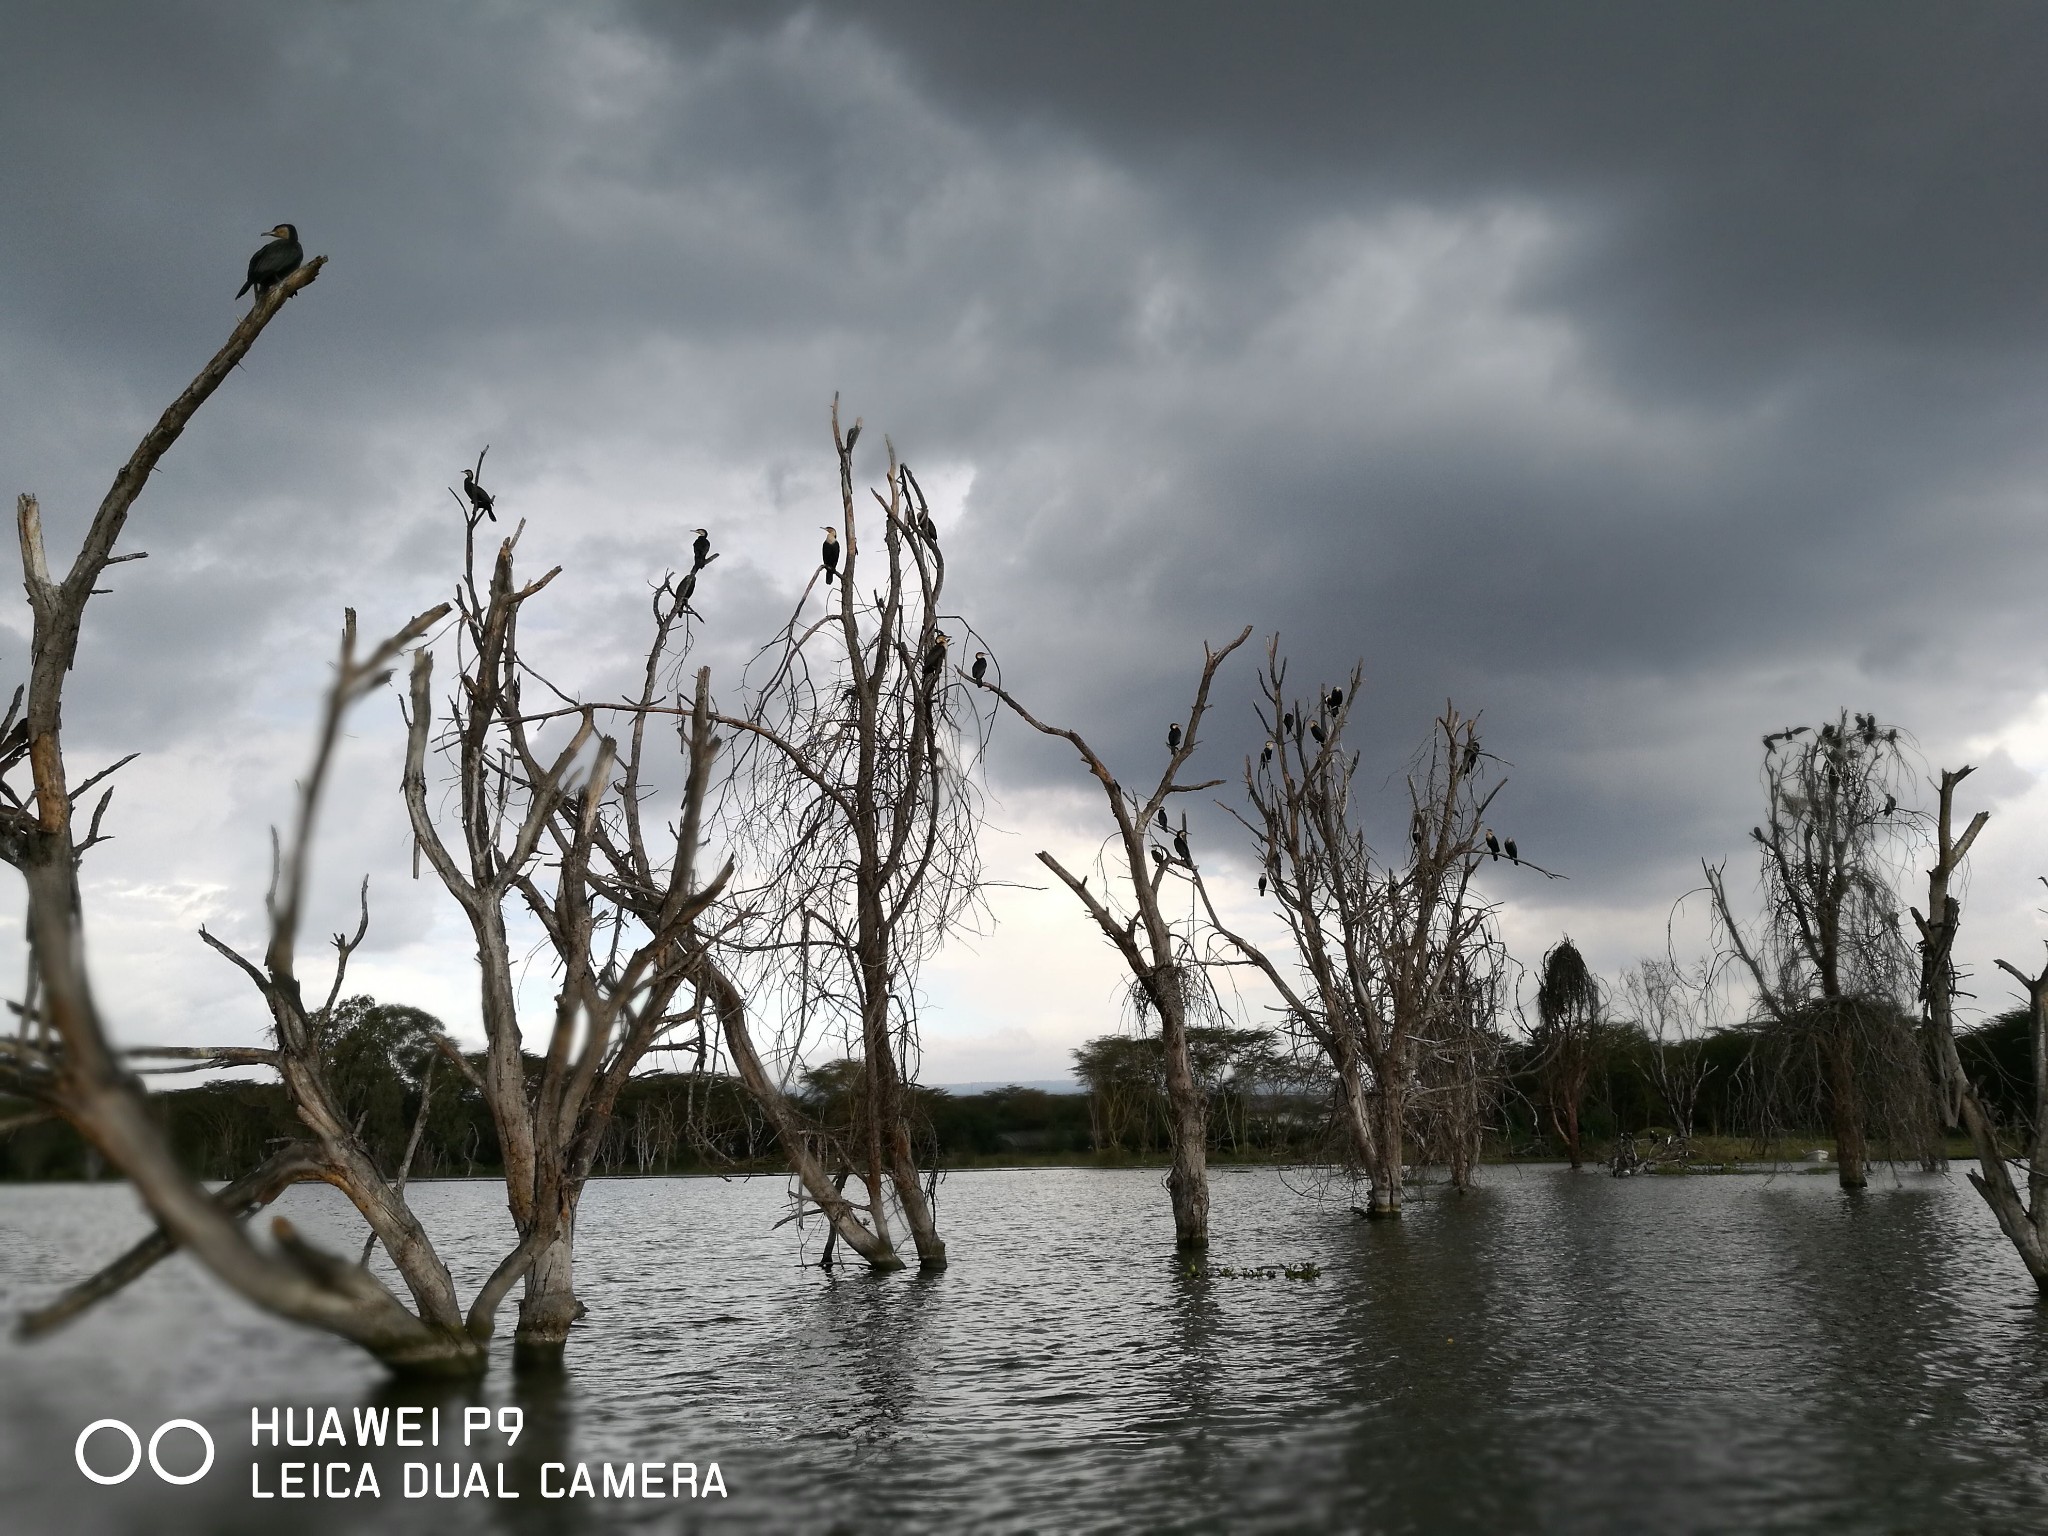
point(935, 655)
point(1173, 737)
point(1180, 846)
point(275, 262)
point(980, 665)
point(1316, 731)
point(830, 554)
point(480, 500)
point(1262, 885)
point(1513, 857)
point(1266, 754)
point(1492, 844)
point(1335, 701)
point(700, 549)
point(1159, 857)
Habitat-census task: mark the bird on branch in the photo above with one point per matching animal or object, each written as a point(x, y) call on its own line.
point(1492, 843)
point(831, 554)
point(852, 436)
point(1316, 731)
point(1180, 847)
point(1262, 885)
point(1335, 701)
point(1159, 858)
point(1513, 857)
point(1173, 737)
point(700, 550)
point(980, 665)
point(1266, 754)
point(935, 657)
point(480, 500)
point(274, 262)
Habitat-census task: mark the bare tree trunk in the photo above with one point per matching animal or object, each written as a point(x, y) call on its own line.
point(1845, 1109)
point(1187, 1180)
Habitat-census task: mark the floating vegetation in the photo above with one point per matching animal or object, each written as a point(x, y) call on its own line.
point(1303, 1271)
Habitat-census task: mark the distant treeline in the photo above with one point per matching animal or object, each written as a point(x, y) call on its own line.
point(1263, 1106)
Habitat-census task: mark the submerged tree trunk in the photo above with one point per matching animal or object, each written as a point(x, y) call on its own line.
point(1187, 1182)
point(1845, 1108)
point(1390, 1108)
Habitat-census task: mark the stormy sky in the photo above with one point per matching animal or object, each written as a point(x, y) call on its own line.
point(1645, 378)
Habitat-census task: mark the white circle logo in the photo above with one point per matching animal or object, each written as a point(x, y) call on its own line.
point(135, 1451)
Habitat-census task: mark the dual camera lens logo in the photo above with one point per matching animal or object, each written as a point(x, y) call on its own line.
point(135, 1451)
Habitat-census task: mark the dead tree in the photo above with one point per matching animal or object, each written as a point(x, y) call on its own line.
point(2023, 1219)
point(620, 916)
point(1670, 1008)
point(61, 1056)
point(1830, 962)
point(856, 798)
point(1455, 1097)
point(1382, 949)
point(1161, 958)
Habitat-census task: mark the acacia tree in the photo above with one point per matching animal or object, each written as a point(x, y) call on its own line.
point(2023, 1218)
point(1830, 962)
point(1167, 972)
point(1382, 952)
point(1568, 1022)
point(618, 914)
point(854, 794)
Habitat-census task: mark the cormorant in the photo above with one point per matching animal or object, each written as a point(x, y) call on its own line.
point(1317, 732)
point(1180, 846)
point(686, 589)
point(1758, 834)
point(1335, 701)
point(1870, 730)
point(1162, 818)
point(1513, 857)
point(1173, 737)
point(980, 665)
point(1891, 803)
point(1266, 754)
point(1262, 885)
point(275, 262)
point(852, 436)
point(1159, 857)
point(1287, 722)
point(700, 550)
point(480, 500)
point(1471, 754)
point(831, 554)
point(1492, 843)
point(935, 657)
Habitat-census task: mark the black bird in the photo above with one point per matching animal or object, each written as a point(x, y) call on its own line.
point(1492, 844)
point(1173, 737)
point(480, 500)
point(1266, 754)
point(686, 589)
point(1159, 857)
point(1758, 834)
point(1180, 846)
point(275, 262)
point(1415, 828)
point(1870, 730)
point(1262, 885)
point(1471, 755)
point(700, 550)
point(831, 554)
point(1335, 701)
point(1513, 857)
point(1287, 722)
point(1317, 732)
point(935, 657)
point(852, 436)
point(1162, 818)
point(1891, 803)
point(980, 665)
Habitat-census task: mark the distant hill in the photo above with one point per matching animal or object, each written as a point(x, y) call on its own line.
point(1042, 1084)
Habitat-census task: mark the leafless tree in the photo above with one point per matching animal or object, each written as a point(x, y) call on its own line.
point(1383, 951)
point(1830, 961)
point(855, 801)
point(619, 913)
point(1161, 957)
point(1673, 1010)
point(1455, 1097)
point(61, 1056)
point(2023, 1219)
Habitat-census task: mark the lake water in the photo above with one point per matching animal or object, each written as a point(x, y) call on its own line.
point(1551, 1353)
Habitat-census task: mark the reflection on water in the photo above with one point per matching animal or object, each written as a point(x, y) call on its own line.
point(1551, 1353)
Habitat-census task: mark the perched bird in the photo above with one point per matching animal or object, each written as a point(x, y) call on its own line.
point(1335, 701)
point(1758, 834)
point(1159, 857)
point(480, 500)
point(1891, 803)
point(927, 527)
point(1266, 754)
point(1180, 846)
point(831, 554)
point(1317, 732)
point(1287, 722)
point(1415, 829)
point(1471, 754)
point(1492, 843)
point(1513, 857)
point(275, 262)
point(1173, 737)
point(935, 657)
point(1262, 885)
point(1162, 818)
point(686, 589)
point(1870, 730)
point(700, 549)
point(852, 436)
point(980, 665)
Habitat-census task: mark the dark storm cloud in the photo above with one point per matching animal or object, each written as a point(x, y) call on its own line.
point(1647, 377)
